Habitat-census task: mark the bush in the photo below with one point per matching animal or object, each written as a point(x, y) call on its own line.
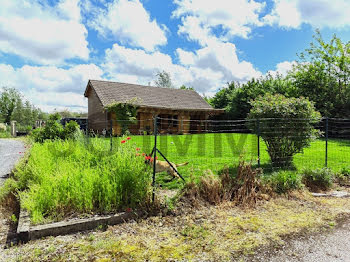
point(54, 130)
point(5, 134)
point(70, 176)
point(318, 178)
point(283, 182)
point(285, 124)
point(4, 131)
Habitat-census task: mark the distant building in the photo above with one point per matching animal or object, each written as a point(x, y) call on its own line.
point(174, 106)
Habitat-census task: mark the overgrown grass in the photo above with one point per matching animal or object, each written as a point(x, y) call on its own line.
point(214, 233)
point(215, 151)
point(61, 177)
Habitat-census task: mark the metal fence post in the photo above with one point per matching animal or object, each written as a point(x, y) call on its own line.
point(326, 155)
point(111, 134)
point(87, 131)
point(154, 157)
point(258, 129)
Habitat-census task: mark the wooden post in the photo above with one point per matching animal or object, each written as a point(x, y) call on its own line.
point(13, 129)
point(181, 124)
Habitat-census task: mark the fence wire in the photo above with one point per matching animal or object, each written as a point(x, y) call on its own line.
point(211, 146)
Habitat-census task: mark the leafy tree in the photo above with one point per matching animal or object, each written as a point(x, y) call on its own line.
point(9, 98)
point(236, 97)
point(163, 80)
point(14, 107)
point(285, 124)
point(323, 75)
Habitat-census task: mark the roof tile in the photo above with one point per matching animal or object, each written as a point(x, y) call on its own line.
point(149, 96)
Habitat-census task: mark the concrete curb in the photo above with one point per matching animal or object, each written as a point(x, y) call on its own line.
point(23, 226)
point(27, 232)
point(339, 194)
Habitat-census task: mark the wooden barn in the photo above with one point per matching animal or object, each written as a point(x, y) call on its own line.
point(174, 107)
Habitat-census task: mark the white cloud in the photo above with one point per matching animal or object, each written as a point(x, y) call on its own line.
point(232, 18)
point(317, 13)
point(129, 22)
point(206, 69)
point(42, 33)
point(49, 87)
point(283, 68)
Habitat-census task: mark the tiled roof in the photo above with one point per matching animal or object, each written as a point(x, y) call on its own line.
point(148, 96)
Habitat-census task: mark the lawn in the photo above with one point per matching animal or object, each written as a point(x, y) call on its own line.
point(215, 151)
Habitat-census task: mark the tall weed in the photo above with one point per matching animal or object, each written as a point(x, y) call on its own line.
point(68, 176)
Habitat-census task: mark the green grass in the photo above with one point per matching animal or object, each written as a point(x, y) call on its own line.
point(5, 134)
point(64, 177)
point(215, 151)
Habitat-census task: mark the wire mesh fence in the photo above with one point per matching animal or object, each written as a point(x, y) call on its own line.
point(194, 147)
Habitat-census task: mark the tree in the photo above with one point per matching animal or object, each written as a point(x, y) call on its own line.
point(236, 97)
point(323, 75)
point(9, 98)
point(183, 87)
point(285, 124)
point(163, 80)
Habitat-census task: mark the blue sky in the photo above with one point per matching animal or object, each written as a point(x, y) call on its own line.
point(49, 49)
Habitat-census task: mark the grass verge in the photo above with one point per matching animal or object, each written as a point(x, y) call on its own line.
point(214, 233)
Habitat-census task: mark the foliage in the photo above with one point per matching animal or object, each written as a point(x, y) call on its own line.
point(283, 181)
point(71, 175)
point(235, 98)
point(14, 108)
point(69, 114)
point(53, 129)
point(183, 87)
point(163, 80)
point(125, 113)
point(285, 124)
point(318, 178)
point(8, 101)
point(4, 131)
point(323, 75)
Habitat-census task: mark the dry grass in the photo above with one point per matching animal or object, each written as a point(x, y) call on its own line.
point(212, 233)
point(242, 190)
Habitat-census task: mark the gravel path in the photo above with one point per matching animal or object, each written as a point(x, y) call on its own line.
point(328, 247)
point(9, 155)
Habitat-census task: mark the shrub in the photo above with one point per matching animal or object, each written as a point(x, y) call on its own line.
point(283, 182)
point(318, 178)
point(285, 124)
point(5, 134)
point(54, 130)
point(70, 176)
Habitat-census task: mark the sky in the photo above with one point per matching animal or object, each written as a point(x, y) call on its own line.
point(50, 49)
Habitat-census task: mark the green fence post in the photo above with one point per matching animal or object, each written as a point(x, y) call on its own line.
point(154, 157)
point(258, 129)
point(111, 135)
point(326, 155)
